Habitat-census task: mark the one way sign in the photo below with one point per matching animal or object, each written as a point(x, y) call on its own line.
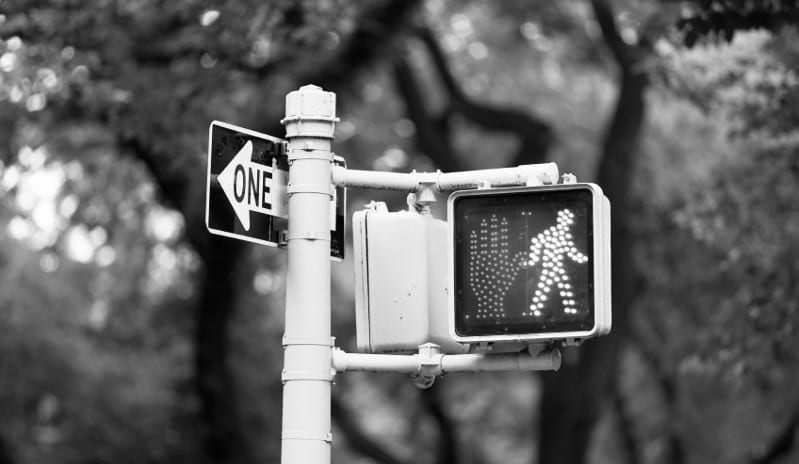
point(246, 189)
point(248, 186)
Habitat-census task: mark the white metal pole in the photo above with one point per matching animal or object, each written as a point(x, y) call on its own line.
point(307, 364)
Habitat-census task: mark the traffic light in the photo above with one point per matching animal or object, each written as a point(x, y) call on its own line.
point(530, 264)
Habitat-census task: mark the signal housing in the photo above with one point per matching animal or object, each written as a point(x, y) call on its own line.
point(529, 264)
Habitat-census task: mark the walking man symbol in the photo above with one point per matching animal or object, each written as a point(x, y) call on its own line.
point(493, 267)
point(550, 248)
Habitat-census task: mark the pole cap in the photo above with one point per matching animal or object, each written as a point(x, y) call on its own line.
point(310, 112)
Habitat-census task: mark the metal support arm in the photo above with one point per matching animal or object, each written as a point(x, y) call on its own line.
point(528, 174)
point(430, 363)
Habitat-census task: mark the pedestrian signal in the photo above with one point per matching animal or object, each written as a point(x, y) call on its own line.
point(530, 264)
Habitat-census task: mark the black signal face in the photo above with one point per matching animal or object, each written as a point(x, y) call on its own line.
point(523, 261)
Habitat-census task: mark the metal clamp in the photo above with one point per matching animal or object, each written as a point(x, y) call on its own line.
point(313, 117)
point(308, 188)
point(309, 151)
point(308, 341)
point(303, 435)
point(309, 234)
point(326, 375)
point(429, 366)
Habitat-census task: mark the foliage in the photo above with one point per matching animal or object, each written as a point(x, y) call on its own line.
point(72, 395)
point(716, 320)
point(720, 20)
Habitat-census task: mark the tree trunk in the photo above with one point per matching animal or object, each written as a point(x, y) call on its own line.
point(431, 138)
point(447, 429)
point(223, 437)
point(572, 398)
point(5, 452)
point(223, 440)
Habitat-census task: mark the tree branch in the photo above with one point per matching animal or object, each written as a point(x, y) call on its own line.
point(9, 118)
point(622, 52)
point(431, 138)
point(375, 30)
point(448, 445)
point(376, 27)
point(535, 136)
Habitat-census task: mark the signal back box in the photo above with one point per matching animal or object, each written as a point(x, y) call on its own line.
point(401, 280)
